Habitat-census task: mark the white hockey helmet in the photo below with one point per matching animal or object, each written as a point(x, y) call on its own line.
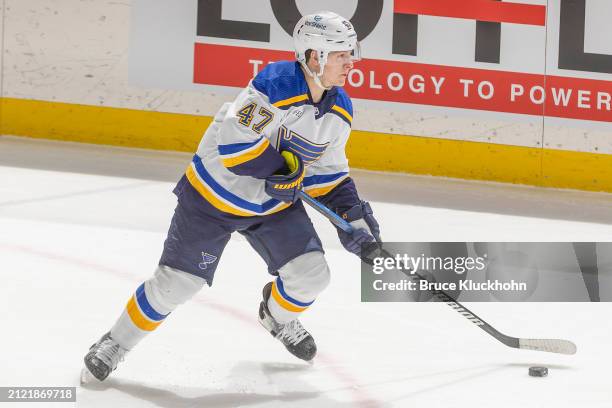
point(324, 32)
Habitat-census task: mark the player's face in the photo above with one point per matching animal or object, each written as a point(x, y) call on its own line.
point(337, 68)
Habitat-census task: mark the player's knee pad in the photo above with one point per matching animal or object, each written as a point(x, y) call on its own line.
point(306, 276)
point(170, 287)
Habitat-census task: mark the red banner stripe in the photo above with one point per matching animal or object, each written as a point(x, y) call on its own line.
point(482, 10)
point(382, 80)
point(228, 65)
point(578, 98)
point(452, 91)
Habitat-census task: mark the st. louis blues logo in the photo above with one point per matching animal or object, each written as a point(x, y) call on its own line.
point(206, 260)
point(307, 150)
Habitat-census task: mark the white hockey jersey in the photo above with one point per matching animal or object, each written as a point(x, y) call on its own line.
point(273, 113)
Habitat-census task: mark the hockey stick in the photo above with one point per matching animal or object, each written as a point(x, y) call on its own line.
point(550, 345)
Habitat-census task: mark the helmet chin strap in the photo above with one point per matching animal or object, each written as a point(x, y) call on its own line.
point(316, 77)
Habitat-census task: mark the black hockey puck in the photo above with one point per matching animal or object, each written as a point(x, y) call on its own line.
point(538, 371)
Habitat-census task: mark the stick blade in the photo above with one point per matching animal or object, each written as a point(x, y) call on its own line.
point(549, 345)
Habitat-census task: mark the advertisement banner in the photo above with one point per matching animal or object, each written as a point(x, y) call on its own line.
point(522, 60)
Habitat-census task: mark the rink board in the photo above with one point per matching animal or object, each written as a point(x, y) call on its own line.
point(446, 91)
point(367, 150)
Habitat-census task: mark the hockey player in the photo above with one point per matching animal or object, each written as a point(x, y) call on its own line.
point(286, 131)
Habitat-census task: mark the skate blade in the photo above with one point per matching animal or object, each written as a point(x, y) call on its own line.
point(87, 377)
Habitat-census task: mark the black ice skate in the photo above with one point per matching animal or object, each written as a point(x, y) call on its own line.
point(293, 335)
point(102, 358)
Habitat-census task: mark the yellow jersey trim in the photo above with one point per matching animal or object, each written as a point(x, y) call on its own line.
point(319, 191)
point(247, 156)
point(343, 112)
point(216, 202)
point(289, 101)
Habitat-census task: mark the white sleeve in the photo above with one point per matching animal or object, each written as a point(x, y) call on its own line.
point(244, 135)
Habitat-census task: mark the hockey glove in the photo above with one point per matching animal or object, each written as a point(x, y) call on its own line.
point(285, 187)
point(365, 227)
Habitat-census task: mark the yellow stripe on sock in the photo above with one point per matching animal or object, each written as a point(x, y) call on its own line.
point(283, 302)
point(138, 318)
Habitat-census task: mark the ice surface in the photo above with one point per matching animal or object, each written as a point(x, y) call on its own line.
point(82, 226)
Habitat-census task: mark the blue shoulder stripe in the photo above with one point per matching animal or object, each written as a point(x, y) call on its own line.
point(265, 164)
point(283, 83)
point(236, 147)
point(344, 101)
point(341, 116)
point(342, 107)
